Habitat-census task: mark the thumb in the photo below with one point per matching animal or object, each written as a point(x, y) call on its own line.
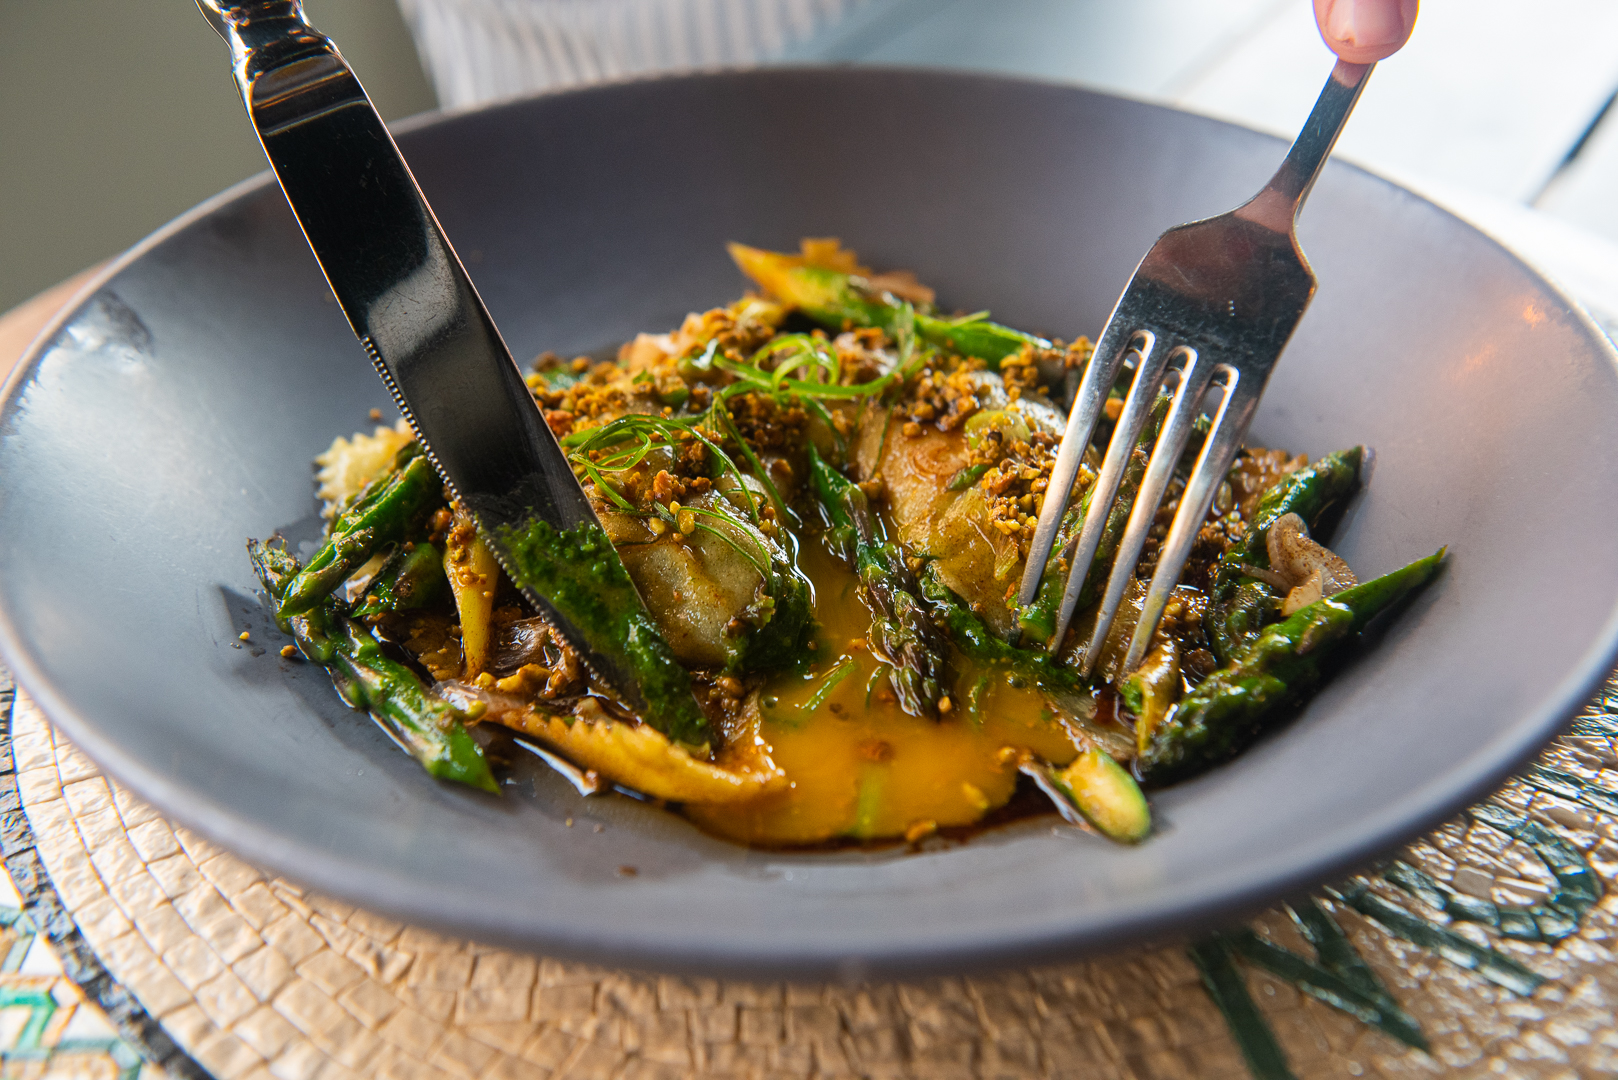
point(1364, 31)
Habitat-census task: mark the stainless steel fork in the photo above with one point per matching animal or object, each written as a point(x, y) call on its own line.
point(1212, 305)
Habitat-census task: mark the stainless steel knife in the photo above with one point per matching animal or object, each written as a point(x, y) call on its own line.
point(415, 311)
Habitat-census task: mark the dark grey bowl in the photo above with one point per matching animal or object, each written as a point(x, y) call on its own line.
point(173, 413)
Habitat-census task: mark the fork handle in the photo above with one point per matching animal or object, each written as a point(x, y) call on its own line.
point(1276, 206)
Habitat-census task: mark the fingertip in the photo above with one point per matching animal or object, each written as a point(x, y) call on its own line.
point(1365, 31)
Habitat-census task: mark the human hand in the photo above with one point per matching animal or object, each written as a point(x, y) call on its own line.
point(1365, 31)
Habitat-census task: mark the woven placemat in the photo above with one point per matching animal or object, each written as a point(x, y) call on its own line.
point(1493, 934)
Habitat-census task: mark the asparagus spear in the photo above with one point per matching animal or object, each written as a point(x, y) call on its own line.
point(414, 579)
point(835, 300)
point(1236, 622)
point(974, 638)
point(275, 568)
point(388, 509)
point(1283, 666)
point(428, 728)
point(901, 630)
point(1238, 611)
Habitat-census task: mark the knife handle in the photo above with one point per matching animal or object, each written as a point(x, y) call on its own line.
point(264, 35)
point(410, 302)
point(394, 273)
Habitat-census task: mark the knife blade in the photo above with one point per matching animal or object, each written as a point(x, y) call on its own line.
point(421, 321)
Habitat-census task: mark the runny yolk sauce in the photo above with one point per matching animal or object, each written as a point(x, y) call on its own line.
point(861, 767)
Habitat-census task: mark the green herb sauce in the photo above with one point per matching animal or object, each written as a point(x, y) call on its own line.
point(581, 576)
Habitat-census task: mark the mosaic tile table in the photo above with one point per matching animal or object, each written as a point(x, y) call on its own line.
point(1483, 950)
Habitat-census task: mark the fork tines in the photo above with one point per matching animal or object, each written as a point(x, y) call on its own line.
point(1156, 360)
point(1209, 308)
